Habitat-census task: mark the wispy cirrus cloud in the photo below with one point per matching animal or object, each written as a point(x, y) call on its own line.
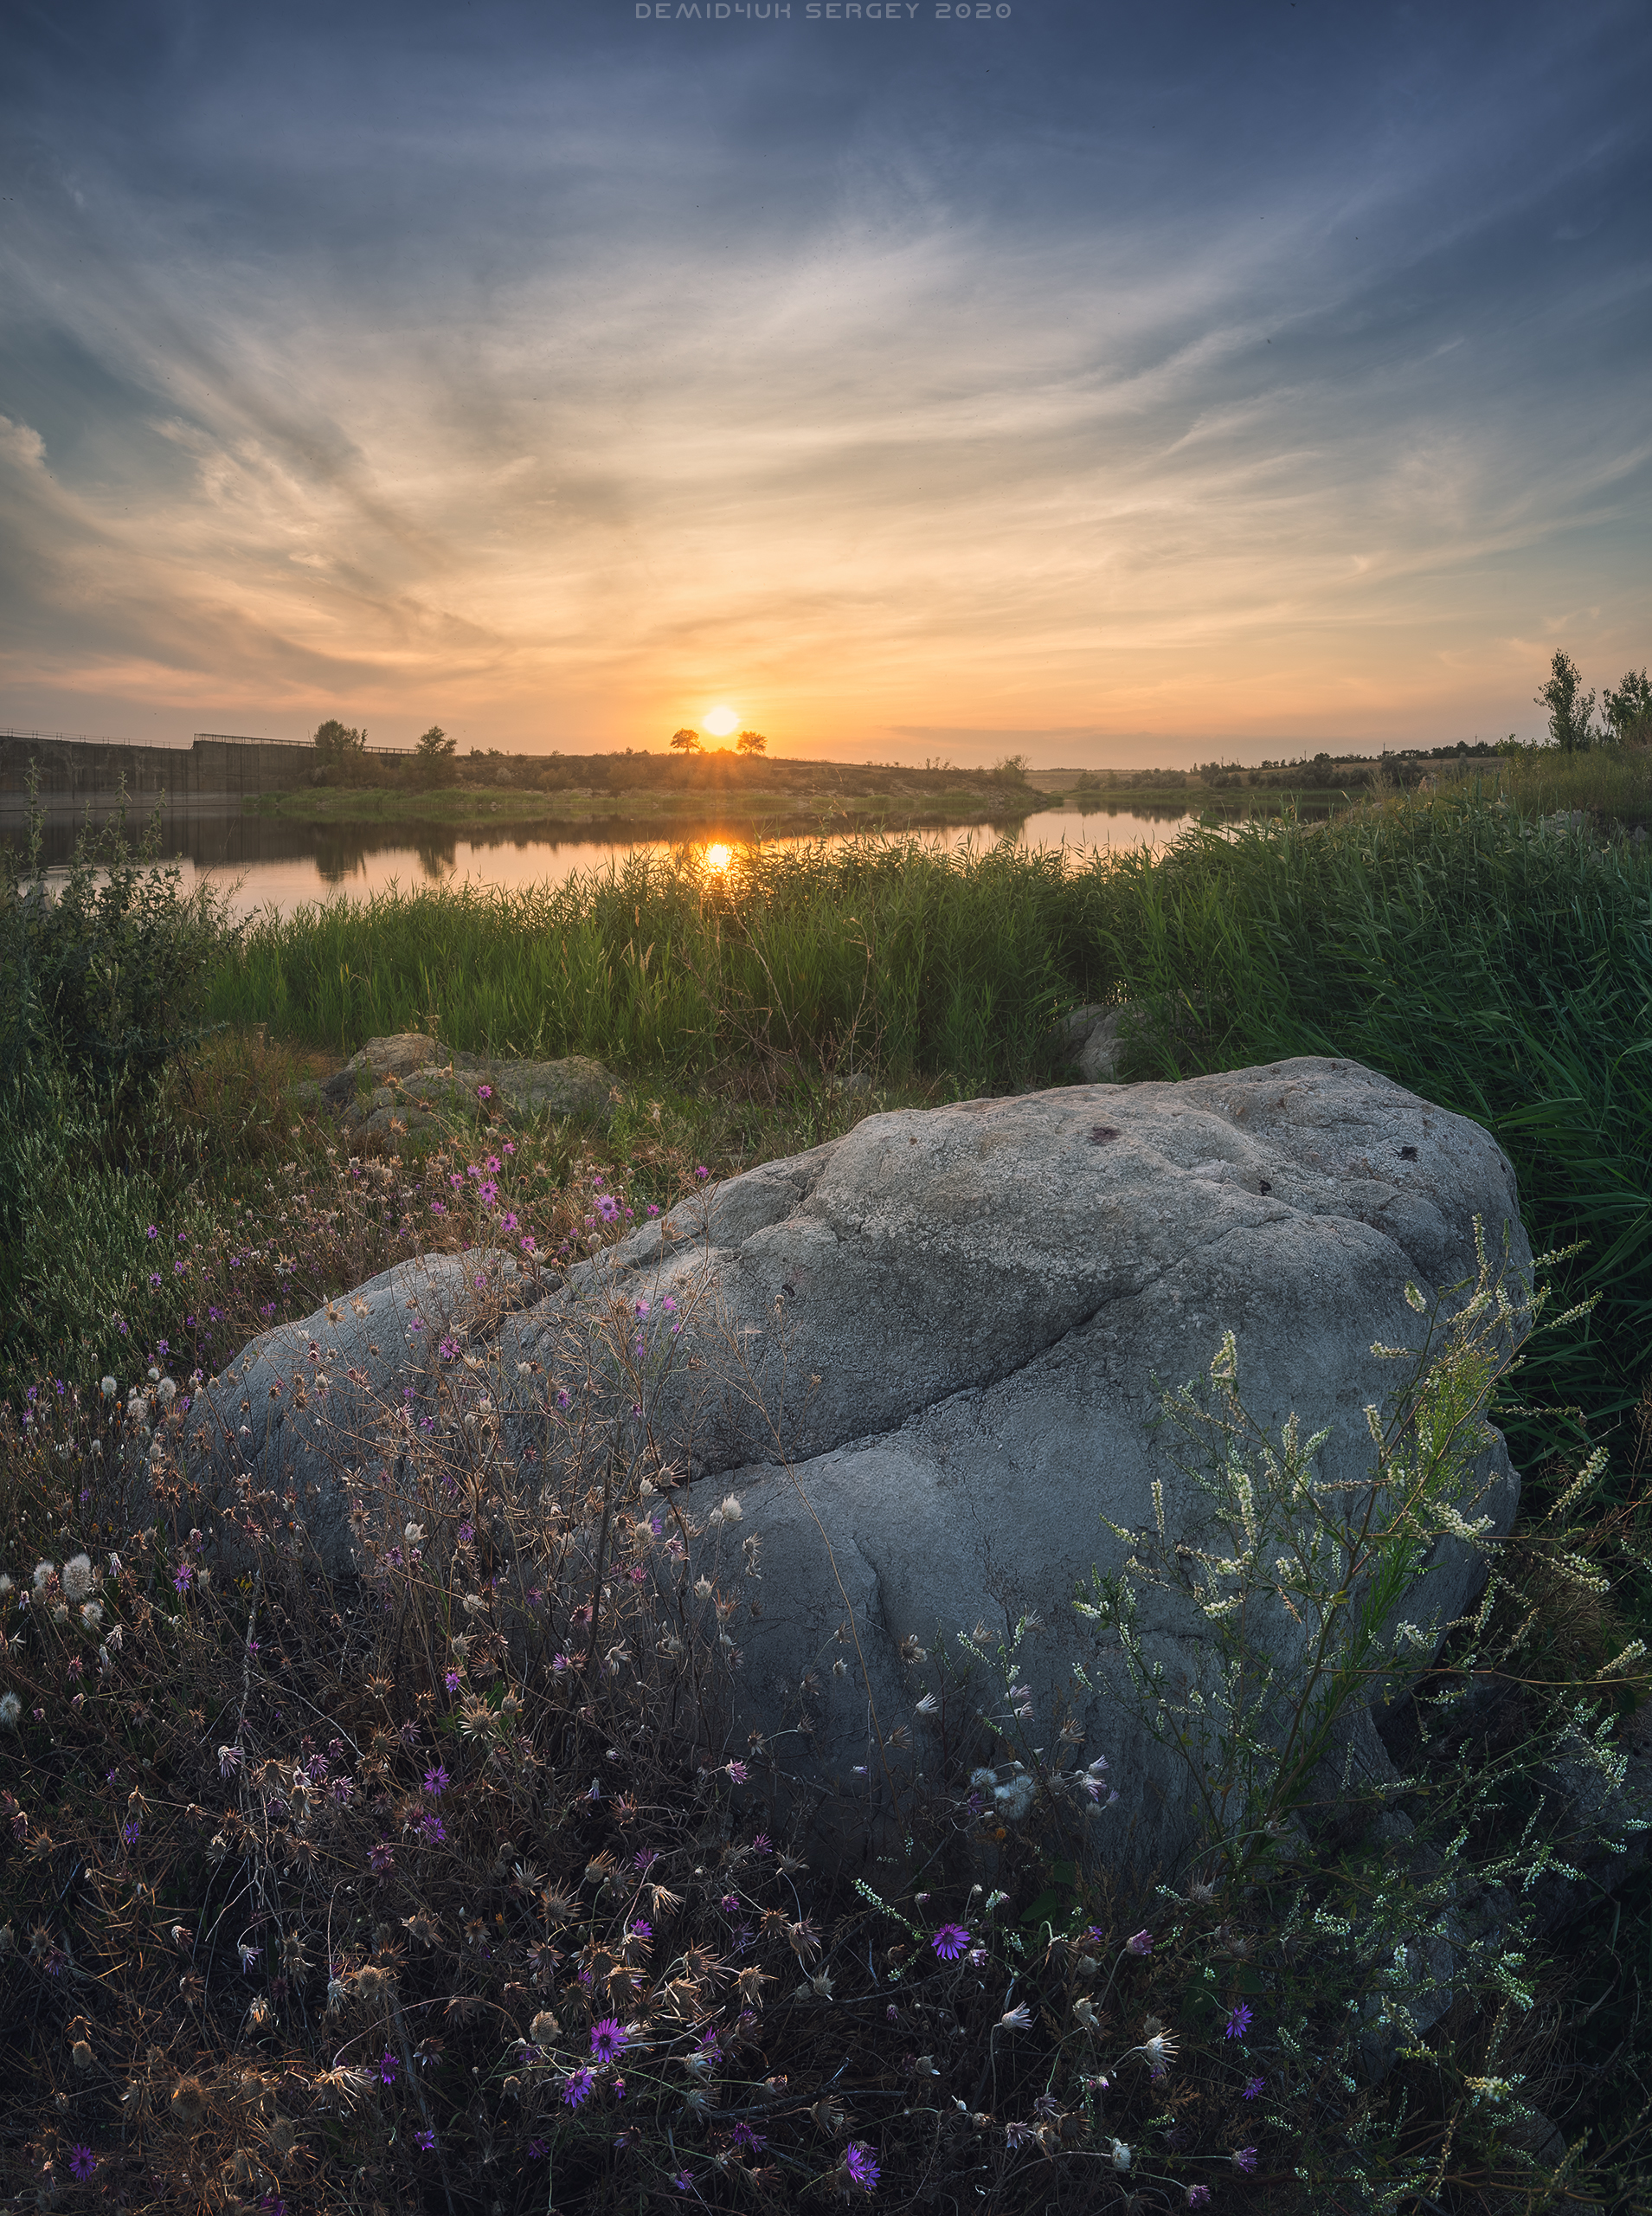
point(555, 383)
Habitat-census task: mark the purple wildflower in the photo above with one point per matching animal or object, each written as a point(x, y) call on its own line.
point(381, 1858)
point(576, 2086)
point(609, 2039)
point(1243, 2158)
point(485, 1092)
point(1238, 2022)
point(426, 2140)
point(434, 1829)
point(743, 2135)
point(437, 1782)
point(950, 1942)
point(1199, 2196)
point(82, 2161)
point(862, 2165)
point(388, 2068)
point(1138, 1943)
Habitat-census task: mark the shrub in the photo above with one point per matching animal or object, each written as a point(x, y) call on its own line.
point(106, 975)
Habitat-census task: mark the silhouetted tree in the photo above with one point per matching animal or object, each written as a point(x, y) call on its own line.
point(336, 739)
point(1571, 709)
point(751, 742)
point(686, 741)
point(1628, 710)
point(433, 756)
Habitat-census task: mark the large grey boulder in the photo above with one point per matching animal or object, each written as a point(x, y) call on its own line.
point(932, 1347)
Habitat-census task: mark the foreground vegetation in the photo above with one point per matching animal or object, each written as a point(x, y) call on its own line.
point(404, 1885)
point(270, 1933)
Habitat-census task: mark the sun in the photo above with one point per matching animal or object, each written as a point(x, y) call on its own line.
point(721, 721)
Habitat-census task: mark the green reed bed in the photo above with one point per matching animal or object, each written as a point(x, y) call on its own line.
point(1614, 784)
point(893, 951)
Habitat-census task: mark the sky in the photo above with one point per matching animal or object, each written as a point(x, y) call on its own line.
point(1110, 384)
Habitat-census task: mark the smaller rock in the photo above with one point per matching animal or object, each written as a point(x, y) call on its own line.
point(1092, 1041)
point(380, 1059)
point(416, 1080)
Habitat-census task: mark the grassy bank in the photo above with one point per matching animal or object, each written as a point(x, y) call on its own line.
point(1496, 966)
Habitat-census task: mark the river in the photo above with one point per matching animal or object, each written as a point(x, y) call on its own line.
point(266, 863)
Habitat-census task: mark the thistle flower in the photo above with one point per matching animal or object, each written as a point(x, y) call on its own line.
point(1019, 2019)
point(1243, 2158)
point(1160, 2049)
point(861, 2164)
point(229, 1760)
point(77, 1576)
point(1138, 1943)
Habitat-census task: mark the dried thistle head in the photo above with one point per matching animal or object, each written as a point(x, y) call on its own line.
point(189, 2104)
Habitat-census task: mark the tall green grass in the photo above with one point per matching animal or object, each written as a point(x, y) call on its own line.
point(1498, 967)
point(889, 951)
point(1614, 784)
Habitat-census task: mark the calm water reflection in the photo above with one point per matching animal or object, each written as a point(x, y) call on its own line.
point(272, 864)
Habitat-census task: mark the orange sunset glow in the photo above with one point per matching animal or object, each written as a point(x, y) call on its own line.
point(1104, 389)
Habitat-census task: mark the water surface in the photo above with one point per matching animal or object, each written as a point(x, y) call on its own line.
point(267, 863)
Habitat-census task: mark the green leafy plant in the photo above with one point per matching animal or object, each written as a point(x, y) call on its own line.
point(1571, 709)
